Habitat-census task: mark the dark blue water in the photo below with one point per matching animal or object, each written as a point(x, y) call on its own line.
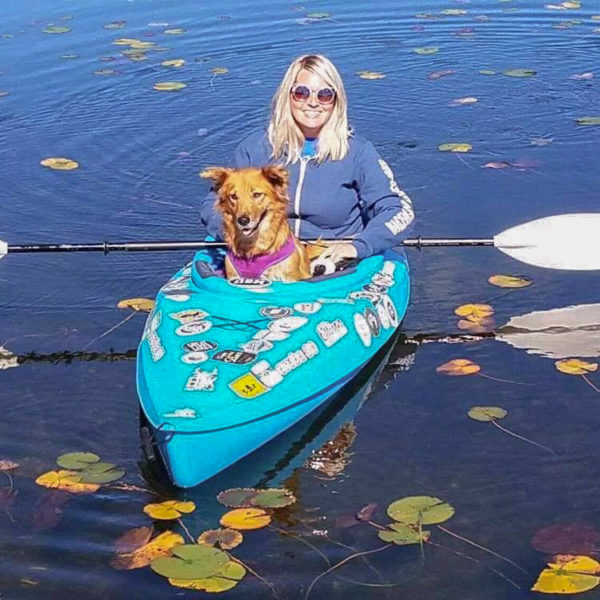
point(140, 152)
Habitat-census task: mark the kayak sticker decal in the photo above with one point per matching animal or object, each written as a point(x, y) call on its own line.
point(157, 350)
point(192, 314)
point(202, 381)
point(234, 357)
point(382, 279)
point(363, 295)
point(176, 285)
point(390, 309)
point(194, 358)
point(193, 328)
point(201, 346)
point(181, 413)
point(374, 288)
point(271, 335)
point(248, 386)
point(275, 312)
point(389, 267)
point(331, 332)
point(372, 321)
point(256, 346)
point(363, 329)
point(271, 376)
point(177, 297)
point(383, 315)
point(287, 324)
point(248, 283)
point(308, 308)
point(152, 323)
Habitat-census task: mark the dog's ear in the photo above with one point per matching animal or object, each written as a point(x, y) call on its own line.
point(277, 176)
point(217, 174)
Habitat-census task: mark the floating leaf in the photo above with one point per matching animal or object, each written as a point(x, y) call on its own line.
point(141, 304)
point(318, 15)
point(424, 510)
point(474, 312)
point(102, 476)
point(162, 545)
point(370, 74)
point(426, 50)
point(77, 460)
point(191, 561)
point(496, 165)
point(440, 74)
point(7, 359)
point(48, 511)
point(509, 281)
point(566, 538)
point(8, 465)
point(402, 534)
point(588, 121)
point(52, 29)
point(132, 540)
point(366, 512)
point(487, 72)
point(105, 72)
point(169, 86)
point(582, 76)
point(575, 366)
point(459, 366)
point(455, 147)
point(68, 481)
point(519, 72)
point(115, 25)
point(273, 498)
point(541, 141)
point(245, 519)
point(176, 62)
point(227, 539)
point(454, 11)
point(480, 326)
point(170, 509)
point(570, 576)
point(60, 164)
point(69, 56)
point(227, 577)
point(219, 70)
point(486, 413)
point(174, 31)
point(464, 101)
point(237, 497)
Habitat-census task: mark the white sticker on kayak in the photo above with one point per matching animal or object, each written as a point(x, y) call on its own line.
point(384, 317)
point(202, 381)
point(181, 413)
point(273, 376)
point(249, 283)
point(178, 297)
point(308, 308)
point(275, 312)
point(391, 310)
point(388, 268)
point(363, 329)
point(287, 324)
point(256, 346)
point(157, 350)
point(270, 335)
point(193, 328)
point(194, 358)
point(192, 314)
point(152, 323)
point(383, 279)
point(331, 332)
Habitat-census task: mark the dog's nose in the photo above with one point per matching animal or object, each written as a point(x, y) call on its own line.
point(243, 220)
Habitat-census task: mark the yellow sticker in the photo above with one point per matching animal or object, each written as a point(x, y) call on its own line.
point(248, 386)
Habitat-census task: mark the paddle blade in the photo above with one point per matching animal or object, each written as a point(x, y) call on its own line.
point(569, 241)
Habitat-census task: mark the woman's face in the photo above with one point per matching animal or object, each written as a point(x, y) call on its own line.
point(310, 114)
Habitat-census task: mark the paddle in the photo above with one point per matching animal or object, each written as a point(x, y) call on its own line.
point(569, 242)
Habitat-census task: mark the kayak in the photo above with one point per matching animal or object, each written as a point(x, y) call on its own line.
point(224, 366)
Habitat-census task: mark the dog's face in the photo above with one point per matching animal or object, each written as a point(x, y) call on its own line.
point(249, 198)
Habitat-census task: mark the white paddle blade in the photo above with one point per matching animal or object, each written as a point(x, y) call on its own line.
point(570, 242)
point(3, 249)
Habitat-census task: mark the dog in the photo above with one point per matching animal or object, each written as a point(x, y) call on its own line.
point(254, 203)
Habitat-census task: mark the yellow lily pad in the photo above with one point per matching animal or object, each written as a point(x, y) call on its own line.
point(455, 147)
point(169, 86)
point(60, 164)
point(575, 366)
point(486, 413)
point(53, 29)
point(141, 304)
point(67, 481)
point(424, 50)
point(454, 11)
point(474, 312)
point(509, 281)
point(176, 62)
point(572, 575)
point(160, 546)
point(174, 31)
point(219, 70)
point(370, 75)
point(458, 367)
point(170, 509)
point(246, 519)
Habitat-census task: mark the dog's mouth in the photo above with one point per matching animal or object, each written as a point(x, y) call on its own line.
point(251, 228)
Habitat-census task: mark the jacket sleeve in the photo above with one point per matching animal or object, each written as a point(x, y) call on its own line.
point(209, 217)
point(388, 210)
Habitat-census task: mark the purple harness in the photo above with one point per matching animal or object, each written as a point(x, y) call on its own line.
point(253, 268)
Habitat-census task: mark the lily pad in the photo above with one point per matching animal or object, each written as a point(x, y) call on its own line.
point(566, 538)
point(77, 460)
point(168, 510)
point(575, 366)
point(424, 50)
point(570, 575)
point(487, 72)
point(246, 519)
point(455, 147)
point(509, 281)
point(519, 72)
point(588, 121)
point(425, 510)
point(486, 413)
point(458, 367)
point(140, 304)
point(190, 561)
point(273, 498)
point(176, 63)
point(474, 312)
point(52, 29)
point(227, 539)
point(402, 534)
point(132, 540)
point(102, 477)
point(169, 86)
point(67, 481)
point(370, 75)
point(227, 577)
point(161, 545)
point(60, 164)
point(237, 497)
point(174, 31)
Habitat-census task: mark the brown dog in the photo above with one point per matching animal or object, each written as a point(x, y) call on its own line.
point(253, 203)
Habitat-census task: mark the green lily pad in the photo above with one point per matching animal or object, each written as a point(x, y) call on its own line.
point(227, 577)
point(237, 497)
point(519, 72)
point(487, 72)
point(454, 11)
point(56, 29)
point(273, 498)
point(588, 121)
point(426, 50)
point(191, 561)
point(318, 15)
point(486, 413)
point(402, 534)
point(426, 510)
point(103, 476)
point(77, 460)
point(99, 467)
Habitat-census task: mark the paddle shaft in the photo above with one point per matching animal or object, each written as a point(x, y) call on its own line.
point(106, 247)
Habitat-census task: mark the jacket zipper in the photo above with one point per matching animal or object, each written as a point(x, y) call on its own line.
point(303, 163)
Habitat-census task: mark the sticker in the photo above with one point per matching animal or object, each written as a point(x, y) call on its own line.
point(376, 289)
point(248, 386)
point(192, 314)
point(234, 357)
point(362, 295)
point(270, 335)
point(363, 329)
point(308, 308)
point(201, 346)
point(202, 381)
point(382, 313)
point(389, 267)
point(287, 324)
point(181, 413)
point(176, 285)
point(275, 312)
point(193, 328)
point(383, 279)
point(178, 297)
point(249, 283)
point(152, 323)
point(372, 321)
point(272, 376)
point(268, 376)
point(331, 332)
point(157, 350)
point(256, 346)
point(391, 310)
point(194, 358)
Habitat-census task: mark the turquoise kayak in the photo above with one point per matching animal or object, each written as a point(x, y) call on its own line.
point(225, 366)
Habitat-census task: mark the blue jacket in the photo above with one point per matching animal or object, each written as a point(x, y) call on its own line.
point(354, 197)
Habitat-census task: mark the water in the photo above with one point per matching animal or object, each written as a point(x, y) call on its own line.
point(140, 152)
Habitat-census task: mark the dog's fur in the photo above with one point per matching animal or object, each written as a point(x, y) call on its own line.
point(253, 203)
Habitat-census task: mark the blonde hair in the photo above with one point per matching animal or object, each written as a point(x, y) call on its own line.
point(286, 137)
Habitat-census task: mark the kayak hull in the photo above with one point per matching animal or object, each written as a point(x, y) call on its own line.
point(256, 377)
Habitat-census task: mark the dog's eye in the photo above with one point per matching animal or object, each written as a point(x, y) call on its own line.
point(233, 197)
point(257, 195)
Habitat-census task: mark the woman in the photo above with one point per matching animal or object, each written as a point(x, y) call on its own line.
point(339, 185)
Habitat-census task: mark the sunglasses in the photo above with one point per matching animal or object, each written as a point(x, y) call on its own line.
point(301, 93)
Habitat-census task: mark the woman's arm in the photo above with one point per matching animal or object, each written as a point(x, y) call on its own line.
point(387, 208)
